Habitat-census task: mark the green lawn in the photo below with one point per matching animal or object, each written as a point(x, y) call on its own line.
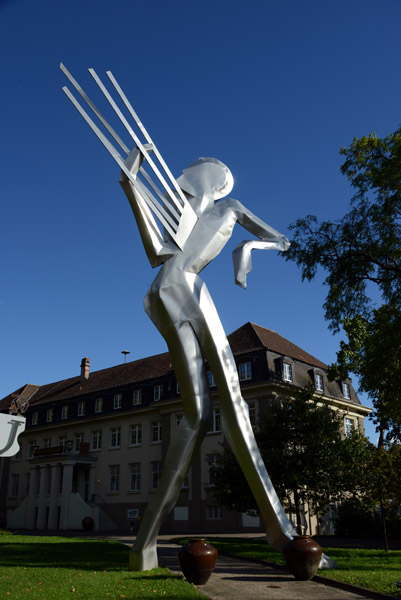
point(56, 568)
point(374, 569)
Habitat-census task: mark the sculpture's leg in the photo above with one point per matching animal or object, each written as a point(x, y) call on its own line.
point(189, 366)
point(236, 424)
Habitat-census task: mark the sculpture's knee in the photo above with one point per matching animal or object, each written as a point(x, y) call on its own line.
point(199, 416)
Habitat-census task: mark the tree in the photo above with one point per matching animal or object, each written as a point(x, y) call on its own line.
point(361, 255)
point(373, 353)
point(305, 454)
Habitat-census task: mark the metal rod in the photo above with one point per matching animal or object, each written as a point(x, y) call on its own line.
point(94, 108)
point(146, 135)
point(153, 204)
point(136, 139)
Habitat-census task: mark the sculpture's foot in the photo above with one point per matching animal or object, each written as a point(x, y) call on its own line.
point(327, 562)
point(143, 561)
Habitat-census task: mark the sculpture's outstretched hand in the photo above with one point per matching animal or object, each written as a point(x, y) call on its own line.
point(269, 239)
point(242, 255)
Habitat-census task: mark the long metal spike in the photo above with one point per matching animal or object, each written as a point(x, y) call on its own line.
point(94, 108)
point(146, 134)
point(135, 138)
point(158, 193)
point(153, 204)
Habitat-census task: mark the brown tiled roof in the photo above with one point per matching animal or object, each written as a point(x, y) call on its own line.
point(138, 370)
point(248, 338)
point(254, 337)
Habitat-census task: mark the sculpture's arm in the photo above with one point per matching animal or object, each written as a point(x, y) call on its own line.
point(254, 225)
point(269, 239)
point(156, 248)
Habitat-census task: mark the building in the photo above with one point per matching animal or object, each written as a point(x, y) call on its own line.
point(94, 444)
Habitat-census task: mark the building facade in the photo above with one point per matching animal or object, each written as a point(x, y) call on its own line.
point(94, 444)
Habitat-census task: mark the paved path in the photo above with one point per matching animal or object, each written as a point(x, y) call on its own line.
point(237, 579)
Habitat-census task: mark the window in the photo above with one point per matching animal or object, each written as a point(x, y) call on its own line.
point(31, 446)
point(210, 379)
point(252, 413)
point(185, 483)
point(64, 411)
point(49, 415)
point(349, 426)
point(27, 483)
point(35, 418)
point(81, 409)
point(213, 461)
point(157, 392)
point(287, 372)
point(117, 401)
point(14, 485)
point(319, 382)
point(97, 439)
point(214, 512)
point(114, 478)
point(137, 397)
point(346, 391)
point(178, 419)
point(62, 440)
point(115, 437)
point(99, 405)
point(47, 442)
point(156, 431)
point(216, 424)
point(78, 439)
point(245, 371)
point(135, 477)
point(136, 434)
point(155, 472)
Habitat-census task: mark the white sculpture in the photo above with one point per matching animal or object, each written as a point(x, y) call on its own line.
point(197, 223)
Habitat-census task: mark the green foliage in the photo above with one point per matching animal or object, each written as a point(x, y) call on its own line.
point(365, 245)
point(306, 457)
point(57, 568)
point(373, 353)
point(361, 249)
point(356, 518)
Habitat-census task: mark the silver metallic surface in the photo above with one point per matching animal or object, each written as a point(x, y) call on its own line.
point(10, 428)
point(170, 206)
point(180, 306)
point(178, 302)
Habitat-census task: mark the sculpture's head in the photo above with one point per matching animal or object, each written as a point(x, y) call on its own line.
point(206, 176)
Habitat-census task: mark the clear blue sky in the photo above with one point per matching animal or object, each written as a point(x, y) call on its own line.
point(272, 88)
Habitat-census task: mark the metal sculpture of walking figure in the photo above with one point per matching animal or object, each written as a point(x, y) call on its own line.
point(198, 220)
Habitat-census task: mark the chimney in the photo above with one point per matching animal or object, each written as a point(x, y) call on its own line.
point(85, 363)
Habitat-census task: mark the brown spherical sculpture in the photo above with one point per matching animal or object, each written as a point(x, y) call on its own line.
point(197, 560)
point(302, 556)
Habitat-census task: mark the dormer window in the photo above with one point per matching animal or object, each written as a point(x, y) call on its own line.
point(245, 371)
point(81, 409)
point(157, 392)
point(319, 382)
point(35, 418)
point(117, 401)
point(346, 391)
point(49, 415)
point(137, 397)
point(287, 372)
point(64, 411)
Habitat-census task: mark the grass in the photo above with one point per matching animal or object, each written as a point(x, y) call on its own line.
point(368, 568)
point(56, 568)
